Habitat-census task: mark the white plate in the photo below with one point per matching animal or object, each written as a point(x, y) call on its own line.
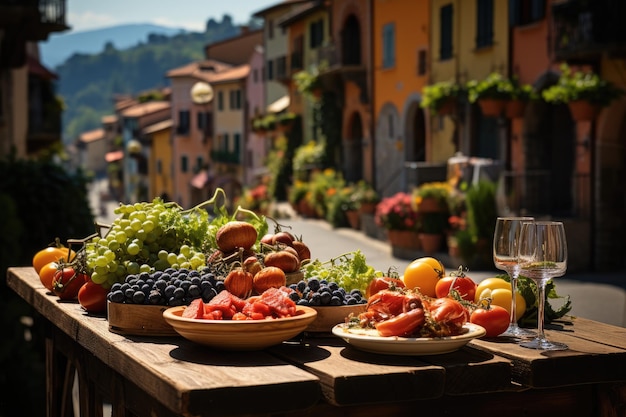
point(369, 341)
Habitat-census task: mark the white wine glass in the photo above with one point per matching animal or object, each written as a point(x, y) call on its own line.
point(505, 257)
point(542, 256)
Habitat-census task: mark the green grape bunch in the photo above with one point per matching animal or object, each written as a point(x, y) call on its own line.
point(145, 237)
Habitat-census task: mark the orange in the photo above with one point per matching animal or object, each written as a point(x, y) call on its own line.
point(423, 274)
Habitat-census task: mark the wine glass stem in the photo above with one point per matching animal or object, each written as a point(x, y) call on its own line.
point(541, 293)
point(513, 274)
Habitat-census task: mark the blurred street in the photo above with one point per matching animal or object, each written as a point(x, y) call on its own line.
point(596, 296)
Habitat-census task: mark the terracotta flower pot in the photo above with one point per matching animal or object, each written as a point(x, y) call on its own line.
point(354, 218)
point(515, 109)
point(583, 110)
point(491, 107)
point(404, 239)
point(448, 107)
point(431, 242)
point(430, 205)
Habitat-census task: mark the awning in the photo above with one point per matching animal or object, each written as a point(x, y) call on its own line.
point(200, 179)
point(279, 105)
point(114, 156)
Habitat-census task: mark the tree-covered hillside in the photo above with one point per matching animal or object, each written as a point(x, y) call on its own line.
point(88, 82)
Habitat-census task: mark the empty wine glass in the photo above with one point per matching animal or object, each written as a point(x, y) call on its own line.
point(542, 256)
point(505, 257)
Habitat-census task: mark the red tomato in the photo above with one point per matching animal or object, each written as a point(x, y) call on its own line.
point(495, 320)
point(463, 284)
point(404, 324)
point(382, 283)
point(67, 282)
point(93, 297)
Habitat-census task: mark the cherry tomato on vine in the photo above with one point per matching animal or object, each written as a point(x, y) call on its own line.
point(465, 286)
point(93, 297)
point(66, 283)
point(382, 283)
point(494, 319)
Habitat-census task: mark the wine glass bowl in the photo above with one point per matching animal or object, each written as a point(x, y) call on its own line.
point(505, 257)
point(542, 256)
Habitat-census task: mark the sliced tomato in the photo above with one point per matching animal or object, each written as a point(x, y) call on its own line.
point(195, 309)
point(403, 324)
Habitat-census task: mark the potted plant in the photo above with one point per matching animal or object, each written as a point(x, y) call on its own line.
point(269, 122)
point(442, 97)
point(490, 93)
point(432, 197)
point(584, 92)
point(432, 228)
point(308, 82)
point(366, 197)
point(397, 215)
point(521, 94)
point(342, 208)
point(286, 120)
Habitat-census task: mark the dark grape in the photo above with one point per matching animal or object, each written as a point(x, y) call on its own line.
point(139, 297)
point(116, 296)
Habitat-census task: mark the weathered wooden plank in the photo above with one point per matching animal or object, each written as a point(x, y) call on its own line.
point(586, 360)
point(349, 376)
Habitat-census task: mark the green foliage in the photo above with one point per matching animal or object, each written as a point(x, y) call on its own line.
point(496, 86)
point(349, 270)
point(580, 85)
point(39, 201)
point(434, 96)
point(308, 157)
point(482, 211)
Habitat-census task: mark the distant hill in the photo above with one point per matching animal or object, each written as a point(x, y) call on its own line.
point(61, 46)
point(88, 82)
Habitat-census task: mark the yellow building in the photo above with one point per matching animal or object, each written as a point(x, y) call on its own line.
point(160, 160)
point(469, 40)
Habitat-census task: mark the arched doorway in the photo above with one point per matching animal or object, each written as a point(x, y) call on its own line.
point(415, 134)
point(353, 149)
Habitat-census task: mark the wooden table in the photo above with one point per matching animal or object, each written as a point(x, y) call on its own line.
point(321, 376)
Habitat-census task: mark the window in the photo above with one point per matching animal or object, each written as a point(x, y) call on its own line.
point(390, 125)
point(270, 69)
point(237, 142)
point(524, 12)
point(316, 34)
point(421, 62)
point(270, 28)
point(159, 166)
point(484, 23)
point(184, 164)
point(198, 163)
point(235, 99)
point(220, 100)
point(205, 122)
point(183, 122)
point(389, 45)
point(445, 36)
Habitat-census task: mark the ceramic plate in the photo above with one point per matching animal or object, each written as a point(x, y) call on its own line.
point(369, 341)
point(239, 334)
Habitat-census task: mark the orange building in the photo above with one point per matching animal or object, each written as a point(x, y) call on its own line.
point(400, 39)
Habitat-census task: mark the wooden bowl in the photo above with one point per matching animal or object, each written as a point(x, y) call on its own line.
point(329, 316)
point(239, 334)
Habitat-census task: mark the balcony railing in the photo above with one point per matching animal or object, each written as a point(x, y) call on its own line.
point(225, 157)
point(584, 31)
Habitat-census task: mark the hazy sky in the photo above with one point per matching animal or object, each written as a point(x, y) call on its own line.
point(189, 14)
